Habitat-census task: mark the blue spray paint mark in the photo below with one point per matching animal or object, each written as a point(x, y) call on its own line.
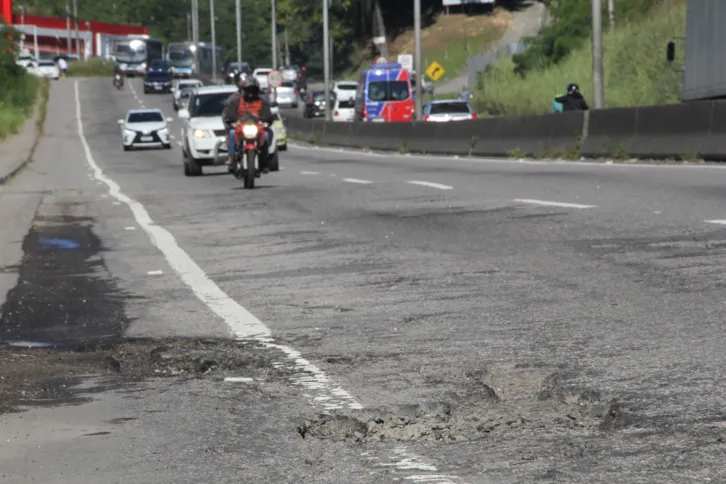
point(59, 243)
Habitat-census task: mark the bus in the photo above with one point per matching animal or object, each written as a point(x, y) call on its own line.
point(181, 57)
point(134, 53)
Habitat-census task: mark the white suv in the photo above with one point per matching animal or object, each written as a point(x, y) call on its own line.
point(345, 90)
point(204, 128)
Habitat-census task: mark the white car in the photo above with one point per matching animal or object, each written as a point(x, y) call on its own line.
point(204, 128)
point(145, 128)
point(204, 137)
point(344, 111)
point(184, 84)
point(445, 110)
point(286, 94)
point(345, 90)
point(261, 75)
point(48, 68)
point(26, 60)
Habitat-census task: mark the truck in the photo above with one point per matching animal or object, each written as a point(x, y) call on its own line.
point(705, 69)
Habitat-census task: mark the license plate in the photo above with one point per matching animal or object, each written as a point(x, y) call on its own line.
point(147, 138)
point(158, 88)
point(378, 120)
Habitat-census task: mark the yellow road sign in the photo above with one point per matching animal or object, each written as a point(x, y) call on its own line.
point(435, 71)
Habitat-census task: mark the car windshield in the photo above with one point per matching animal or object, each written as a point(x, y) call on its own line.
point(145, 117)
point(388, 91)
point(158, 64)
point(348, 104)
point(288, 84)
point(25, 57)
point(186, 93)
point(320, 96)
point(347, 87)
point(47, 63)
point(450, 108)
point(209, 105)
point(263, 72)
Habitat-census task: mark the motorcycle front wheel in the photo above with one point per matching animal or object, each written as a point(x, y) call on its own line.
point(250, 169)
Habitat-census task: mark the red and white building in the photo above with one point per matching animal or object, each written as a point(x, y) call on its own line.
point(52, 35)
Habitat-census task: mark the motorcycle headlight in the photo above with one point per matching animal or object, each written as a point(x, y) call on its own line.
point(200, 133)
point(250, 130)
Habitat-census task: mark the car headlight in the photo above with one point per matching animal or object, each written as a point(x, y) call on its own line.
point(128, 132)
point(250, 131)
point(200, 133)
point(163, 132)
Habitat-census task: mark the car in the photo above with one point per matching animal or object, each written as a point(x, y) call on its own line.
point(235, 66)
point(262, 74)
point(344, 110)
point(203, 128)
point(184, 97)
point(280, 131)
point(48, 68)
point(286, 94)
point(315, 105)
point(159, 77)
point(345, 90)
point(444, 110)
point(181, 85)
point(145, 128)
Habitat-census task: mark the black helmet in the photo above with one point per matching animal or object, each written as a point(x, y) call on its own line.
point(250, 86)
point(572, 88)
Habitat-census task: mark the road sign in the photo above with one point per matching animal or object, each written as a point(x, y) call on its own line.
point(435, 71)
point(406, 60)
point(274, 78)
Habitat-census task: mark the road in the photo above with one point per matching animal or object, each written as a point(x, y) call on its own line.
point(378, 318)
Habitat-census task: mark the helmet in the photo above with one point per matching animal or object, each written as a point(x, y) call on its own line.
point(239, 77)
point(250, 87)
point(572, 88)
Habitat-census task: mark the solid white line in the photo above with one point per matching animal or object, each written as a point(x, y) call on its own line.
point(355, 180)
point(430, 184)
point(241, 323)
point(718, 222)
point(552, 204)
point(239, 379)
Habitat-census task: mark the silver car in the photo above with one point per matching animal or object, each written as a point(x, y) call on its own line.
point(445, 110)
point(287, 95)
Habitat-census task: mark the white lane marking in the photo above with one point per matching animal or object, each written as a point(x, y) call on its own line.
point(241, 323)
point(155, 273)
point(129, 228)
point(717, 222)
point(356, 180)
point(239, 379)
point(552, 204)
point(430, 184)
point(309, 173)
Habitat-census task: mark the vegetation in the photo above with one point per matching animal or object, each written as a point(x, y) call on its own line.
point(635, 69)
point(19, 89)
point(90, 68)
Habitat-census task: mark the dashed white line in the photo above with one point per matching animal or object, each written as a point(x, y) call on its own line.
point(129, 228)
point(430, 184)
point(155, 273)
point(239, 379)
point(717, 222)
point(241, 323)
point(356, 180)
point(547, 203)
point(310, 173)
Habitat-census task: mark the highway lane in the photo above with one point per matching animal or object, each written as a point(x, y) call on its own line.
point(424, 286)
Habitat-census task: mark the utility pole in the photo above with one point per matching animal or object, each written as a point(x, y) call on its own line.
point(597, 74)
point(68, 28)
point(75, 20)
point(611, 13)
point(214, 41)
point(195, 33)
point(189, 27)
point(418, 68)
point(287, 48)
point(274, 36)
point(326, 59)
point(238, 20)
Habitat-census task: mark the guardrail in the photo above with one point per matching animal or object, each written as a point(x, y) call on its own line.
point(681, 131)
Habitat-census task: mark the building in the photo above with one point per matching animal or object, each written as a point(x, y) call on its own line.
point(51, 35)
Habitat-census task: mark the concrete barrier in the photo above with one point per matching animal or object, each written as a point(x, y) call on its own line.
point(690, 130)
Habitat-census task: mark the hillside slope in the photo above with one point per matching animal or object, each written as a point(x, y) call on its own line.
point(635, 69)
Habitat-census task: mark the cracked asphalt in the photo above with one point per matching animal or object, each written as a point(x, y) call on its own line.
point(498, 321)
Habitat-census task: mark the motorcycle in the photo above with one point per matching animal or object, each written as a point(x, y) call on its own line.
point(250, 135)
point(118, 81)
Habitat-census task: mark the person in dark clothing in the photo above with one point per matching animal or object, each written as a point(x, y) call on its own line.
point(248, 100)
point(572, 100)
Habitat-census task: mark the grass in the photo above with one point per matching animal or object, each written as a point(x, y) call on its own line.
point(450, 41)
point(91, 68)
point(17, 100)
point(635, 70)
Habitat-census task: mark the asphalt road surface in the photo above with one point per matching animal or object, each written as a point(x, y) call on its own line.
point(358, 318)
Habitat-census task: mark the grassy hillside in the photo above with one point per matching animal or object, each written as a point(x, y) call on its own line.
point(19, 89)
point(635, 69)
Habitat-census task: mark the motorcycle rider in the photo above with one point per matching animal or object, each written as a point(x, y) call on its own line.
point(248, 100)
point(572, 100)
point(118, 75)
